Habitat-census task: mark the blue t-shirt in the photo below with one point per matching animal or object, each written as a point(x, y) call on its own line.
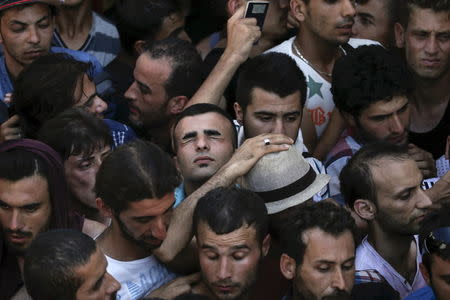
point(425, 293)
point(6, 84)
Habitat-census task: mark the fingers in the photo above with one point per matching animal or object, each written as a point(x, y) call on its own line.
point(7, 99)
point(12, 122)
point(190, 279)
point(9, 130)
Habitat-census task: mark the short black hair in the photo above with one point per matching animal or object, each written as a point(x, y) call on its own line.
point(187, 73)
point(273, 72)
point(50, 263)
point(392, 9)
point(46, 88)
point(52, 8)
point(368, 75)
point(74, 132)
point(134, 172)
point(407, 6)
point(226, 209)
point(200, 109)
point(326, 216)
point(142, 20)
point(356, 180)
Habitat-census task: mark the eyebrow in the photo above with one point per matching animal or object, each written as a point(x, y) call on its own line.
point(150, 217)
point(365, 15)
point(12, 22)
point(324, 261)
point(31, 205)
point(189, 135)
point(212, 132)
point(388, 115)
point(143, 85)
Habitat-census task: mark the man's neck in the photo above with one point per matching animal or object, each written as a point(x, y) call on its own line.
point(13, 67)
point(428, 93)
point(190, 187)
point(203, 290)
point(87, 211)
point(74, 23)
point(115, 245)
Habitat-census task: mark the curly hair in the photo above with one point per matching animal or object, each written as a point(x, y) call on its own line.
point(368, 75)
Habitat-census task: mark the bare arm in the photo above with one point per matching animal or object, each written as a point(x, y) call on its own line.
point(308, 131)
point(330, 136)
point(180, 233)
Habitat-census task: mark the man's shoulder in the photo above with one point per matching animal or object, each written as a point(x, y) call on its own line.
point(284, 47)
point(105, 26)
point(78, 55)
point(355, 43)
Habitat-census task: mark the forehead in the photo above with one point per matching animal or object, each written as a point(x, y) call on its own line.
point(268, 101)
point(102, 149)
point(373, 7)
point(151, 70)
point(26, 13)
point(93, 269)
point(243, 236)
point(323, 246)
point(428, 19)
point(33, 189)
point(150, 207)
point(386, 107)
point(209, 120)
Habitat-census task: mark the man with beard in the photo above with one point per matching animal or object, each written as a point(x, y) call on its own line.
point(369, 88)
point(231, 227)
point(382, 184)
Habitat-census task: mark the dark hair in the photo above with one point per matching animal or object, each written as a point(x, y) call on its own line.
point(273, 72)
point(366, 76)
point(226, 209)
point(134, 172)
point(407, 6)
point(392, 9)
point(200, 109)
point(328, 217)
point(22, 6)
point(74, 132)
point(50, 263)
point(142, 20)
point(356, 180)
point(186, 63)
point(46, 88)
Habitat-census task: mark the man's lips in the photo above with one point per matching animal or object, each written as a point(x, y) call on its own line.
point(225, 288)
point(431, 62)
point(17, 238)
point(203, 160)
point(34, 53)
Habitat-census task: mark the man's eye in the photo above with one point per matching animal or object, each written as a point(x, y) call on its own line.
point(323, 269)
point(4, 206)
point(32, 208)
point(18, 29)
point(348, 266)
point(44, 25)
point(85, 165)
point(239, 255)
point(405, 196)
point(365, 21)
point(265, 119)
point(212, 256)
point(291, 119)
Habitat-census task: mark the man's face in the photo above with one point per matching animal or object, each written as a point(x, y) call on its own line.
point(326, 273)
point(401, 204)
point(147, 95)
point(275, 24)
point(80, 171)
point(26, 34)
point(85, 95)
point(330, 20)
point(427, 43)
point(173, 26)
point(385, 121)
point(145, 222)
point(373, 22)
point(268, 113)
point(440, 277)
point(25, 210)
point(229, 262)
point(204, 144)
point(97, 284)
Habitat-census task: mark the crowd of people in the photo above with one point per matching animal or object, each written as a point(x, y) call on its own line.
point(305, 159)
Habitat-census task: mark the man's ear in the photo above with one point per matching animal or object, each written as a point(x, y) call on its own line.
point(399, 35)
point(266, 244)
point(365, 209)
point(239, 112)
point(104, 209)
point(288, 266)
point(298, 10)
point(426, 275)
point(177, 104)
point(233, 6)
point(139, 46)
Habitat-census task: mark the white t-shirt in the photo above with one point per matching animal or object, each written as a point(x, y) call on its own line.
point(138, 277)
point(368, 258)
point(319, 102)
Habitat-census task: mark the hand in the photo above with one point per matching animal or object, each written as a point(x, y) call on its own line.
point(10, 129)
point(176, 287)
point(253, 149)
point(424, 160)
point(8, 98)
point(242, 33)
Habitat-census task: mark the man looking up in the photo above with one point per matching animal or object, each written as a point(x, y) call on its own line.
point(66, 264)
point(382, 184)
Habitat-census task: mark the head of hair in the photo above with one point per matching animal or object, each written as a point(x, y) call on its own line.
point(391, 9)
point(75, 132)
point(356, 178)
point(187, 74)
point(133, 172)
point(274, 73)
point(141, 20)
point(407, 6)
point(200, 109)
point(22, 6)
point(59, 253)
point(46, 88)
point(366, 76)
point(328, 217)
point(226, 209)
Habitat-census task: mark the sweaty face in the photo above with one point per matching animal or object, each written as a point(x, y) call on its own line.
point(386, 121)
point(326, 273)
point(329, 20)
point(427, 43)
point(440, 277)
point(204, 144)
point(275, 23)
point(229, 262)
point(401, 203)
point(25, 210)
point(145, 222)
point(97, 284)
point(147, 95)
point(373, 22)
point(268, 113)
point(80, 171)
point(86, 96)
point(26, 34)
